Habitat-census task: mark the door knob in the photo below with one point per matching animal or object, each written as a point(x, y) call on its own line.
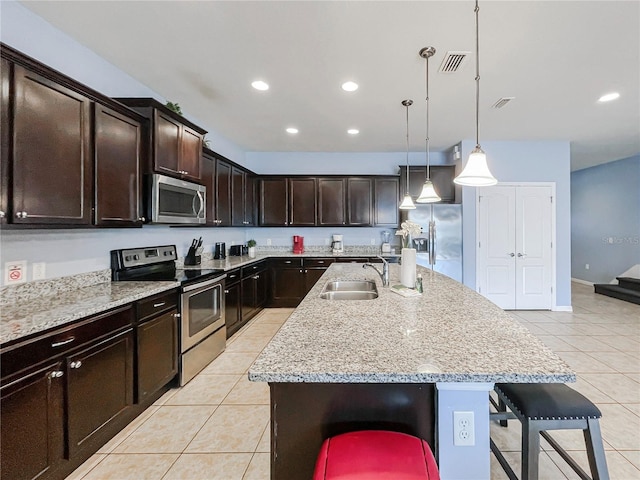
point(512, 254)
point(522, 255)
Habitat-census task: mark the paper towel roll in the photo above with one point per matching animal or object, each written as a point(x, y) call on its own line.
point(408, 267)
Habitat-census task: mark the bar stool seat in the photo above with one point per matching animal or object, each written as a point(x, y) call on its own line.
point(375, 455)
point(542, 407)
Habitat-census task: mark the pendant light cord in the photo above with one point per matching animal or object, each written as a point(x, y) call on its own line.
point(476, 10)
point(427, 101)
point(407, 104)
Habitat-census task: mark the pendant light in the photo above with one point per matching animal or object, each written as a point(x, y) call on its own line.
point(476, 173)
point(428, 193)
point(407, 202)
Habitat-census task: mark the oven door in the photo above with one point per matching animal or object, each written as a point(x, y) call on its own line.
point(202, 311)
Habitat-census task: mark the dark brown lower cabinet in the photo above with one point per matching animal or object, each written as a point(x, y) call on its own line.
point(254, 291)
point(292, 278)
point(233, 307)
point(99, 386)
point(32, 414)
point(157, 347)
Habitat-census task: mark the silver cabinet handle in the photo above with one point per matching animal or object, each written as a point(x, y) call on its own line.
point(226, 292)
point(63, 342)
point(176, 315)
point(522, 255)
point(512, 254)
point(2, 214)
point(56, 374)
point(156, 305)
point(141, 219)
point(257, 277)
point(21, 214)
point(287, 261)
point(76, 364)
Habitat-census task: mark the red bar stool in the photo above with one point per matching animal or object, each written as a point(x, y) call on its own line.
point(375, 455)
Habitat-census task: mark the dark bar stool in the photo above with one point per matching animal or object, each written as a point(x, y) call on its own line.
point(549, 406)
point(375, 454)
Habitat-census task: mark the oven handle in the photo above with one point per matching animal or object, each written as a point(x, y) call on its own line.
point(204, 284)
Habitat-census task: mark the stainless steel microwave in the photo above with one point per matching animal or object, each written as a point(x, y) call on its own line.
point(176, 201)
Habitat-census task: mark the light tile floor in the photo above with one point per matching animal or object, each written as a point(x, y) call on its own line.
point(216, 427)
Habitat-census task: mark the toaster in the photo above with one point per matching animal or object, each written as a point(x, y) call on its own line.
point(235, 250)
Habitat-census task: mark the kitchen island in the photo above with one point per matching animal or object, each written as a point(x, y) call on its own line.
point(396, 363)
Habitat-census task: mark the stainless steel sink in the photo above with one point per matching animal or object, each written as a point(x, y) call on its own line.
point(350, 290)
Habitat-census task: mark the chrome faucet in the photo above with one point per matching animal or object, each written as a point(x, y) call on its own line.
point(384, 275)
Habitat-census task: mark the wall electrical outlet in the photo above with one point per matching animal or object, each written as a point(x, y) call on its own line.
point(268, 241)
point(463, 429)
point(39, 271)
point(586, 266)
point(15, 272)
point(373, 241)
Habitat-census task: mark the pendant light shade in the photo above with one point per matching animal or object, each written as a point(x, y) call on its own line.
point(476, 172)
point(407, 201)
point(428, 193)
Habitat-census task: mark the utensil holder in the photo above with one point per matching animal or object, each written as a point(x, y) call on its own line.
point(194, 256)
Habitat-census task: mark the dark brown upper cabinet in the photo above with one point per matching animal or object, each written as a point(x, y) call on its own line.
point(118, 143)
point(331, 201)
point(442, 177)
point(274, 202)
point(286, 201)
point(5, 136)
point(222, 208)
point(52, 168)
point(303, 193)
point(359, 201)
point(385, 201)
point(243, 198)
point(174, 142)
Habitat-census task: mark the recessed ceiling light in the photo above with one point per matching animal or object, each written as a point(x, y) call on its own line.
point(292, 130)
point(353, 131)
point(609, 96)
point(260, 85)
point(349, 86)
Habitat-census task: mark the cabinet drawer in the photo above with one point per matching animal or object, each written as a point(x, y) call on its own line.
point(233, 276)
point(22, 355)
point(151, 306)
point(352, 259)
point(286, 262)
point(253, 268)
point(318, 262)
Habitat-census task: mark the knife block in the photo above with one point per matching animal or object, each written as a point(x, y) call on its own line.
point(193, 256)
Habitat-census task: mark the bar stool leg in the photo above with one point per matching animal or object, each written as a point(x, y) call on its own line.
point(502, 407)
point(595, 450)
point(530, 450)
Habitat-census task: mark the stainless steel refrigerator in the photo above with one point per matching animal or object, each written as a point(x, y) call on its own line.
point(440, 245)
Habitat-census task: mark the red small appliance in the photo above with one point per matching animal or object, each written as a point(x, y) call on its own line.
point(298, 244)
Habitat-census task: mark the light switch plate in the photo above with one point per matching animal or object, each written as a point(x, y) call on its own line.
point(39, 271)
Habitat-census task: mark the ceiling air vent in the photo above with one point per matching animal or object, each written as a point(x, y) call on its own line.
point(453, 62)
point(502, 102)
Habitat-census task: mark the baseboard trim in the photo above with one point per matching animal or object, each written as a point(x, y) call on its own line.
point(562, 308)
point(583, 282)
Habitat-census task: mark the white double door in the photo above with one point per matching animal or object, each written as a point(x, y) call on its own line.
point(515, 250)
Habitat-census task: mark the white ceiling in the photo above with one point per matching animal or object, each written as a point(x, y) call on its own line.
point(556, 57)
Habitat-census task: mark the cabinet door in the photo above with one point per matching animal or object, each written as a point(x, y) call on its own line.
point(100, 387)
point(167, 145)
point(311, 277)
point(331, 201)
point(250, 201)
point(5, 135)
point(52, 168)
point(287, 286)
point(190, 154)
point(248, 290)
point(442, 177)
point(32, 423)
point(386, 202)
point(262, 289)
point(117, 164)
point(303, 193)
point(359, 192)
point(238, 185)
point(274, 201)
point(209, 181)
point(232, 308)
point(157, 347)
point(223, 193)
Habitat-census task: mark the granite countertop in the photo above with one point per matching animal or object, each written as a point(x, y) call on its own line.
point(449, 334)
point(27, 316)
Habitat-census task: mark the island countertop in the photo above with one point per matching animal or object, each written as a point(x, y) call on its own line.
point(449, 334)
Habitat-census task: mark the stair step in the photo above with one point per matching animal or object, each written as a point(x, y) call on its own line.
point(629, 282)
point(618, 292)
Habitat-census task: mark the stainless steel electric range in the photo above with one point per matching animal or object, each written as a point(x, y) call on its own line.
point(202, 322)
